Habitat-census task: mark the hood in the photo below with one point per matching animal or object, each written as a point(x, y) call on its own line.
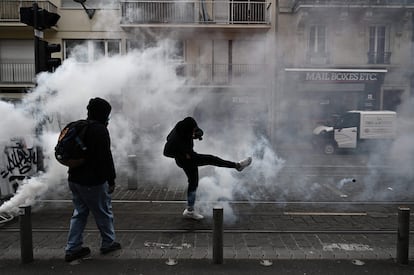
point(98, 109)
point(322, 128)
point(186, 126)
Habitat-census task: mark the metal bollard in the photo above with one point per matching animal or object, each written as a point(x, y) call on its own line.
point(218, 235)
point(26, 241)
point(403, 235)
point(132, 172)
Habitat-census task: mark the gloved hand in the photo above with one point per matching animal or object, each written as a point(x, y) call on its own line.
point(198, 134)
point(111, 187)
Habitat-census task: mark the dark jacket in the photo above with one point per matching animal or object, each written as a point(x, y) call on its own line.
point(180, 139)
point(99, 165)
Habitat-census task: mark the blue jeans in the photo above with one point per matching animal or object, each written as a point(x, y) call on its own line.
point(97, 200)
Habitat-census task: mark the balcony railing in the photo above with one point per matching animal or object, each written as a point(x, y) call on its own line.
point(379, 57)
point(196, 74)
point(195, 12)
point(17, 73)
point(10, 10)
point(355, 3)
point(222, 74)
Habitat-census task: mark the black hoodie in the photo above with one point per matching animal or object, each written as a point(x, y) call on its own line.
point(99, 166)
point(180, 139)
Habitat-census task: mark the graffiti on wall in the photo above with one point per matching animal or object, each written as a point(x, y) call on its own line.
point(19, 159)
point(18, 162)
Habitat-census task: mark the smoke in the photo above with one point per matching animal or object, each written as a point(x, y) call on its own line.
point(12, 117)
point(62, 97)
point(148, 98)
point(345, 181)
point(225, 185)
point(34, 188)
point(402, 150)
point(390, 165)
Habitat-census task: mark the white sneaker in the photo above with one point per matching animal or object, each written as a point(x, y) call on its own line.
point(192, 215)
point(243, 164)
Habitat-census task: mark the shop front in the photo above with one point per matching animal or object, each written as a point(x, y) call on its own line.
point(311, 96)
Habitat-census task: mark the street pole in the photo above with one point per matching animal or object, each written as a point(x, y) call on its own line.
point(403, 235)
point(218, 235)
point(37, 33)
point(26, 240)
point(132, 172)
point(36, 38)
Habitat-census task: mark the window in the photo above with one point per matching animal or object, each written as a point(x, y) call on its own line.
point(173, 50)
point(317, 40)
point(17, 61)
point(348, 120)
point(113, 47)
point(176, 52)
point(378, 45)
point(89, 50)
point(392, 99)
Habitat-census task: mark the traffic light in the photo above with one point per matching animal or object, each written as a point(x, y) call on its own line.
point(46, 62)
point(44, 18)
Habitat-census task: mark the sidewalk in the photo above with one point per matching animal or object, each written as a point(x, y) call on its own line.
point(294, 238)
point(157, 230)
point(205, 267)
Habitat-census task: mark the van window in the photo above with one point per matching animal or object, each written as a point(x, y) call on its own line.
point(348, 120)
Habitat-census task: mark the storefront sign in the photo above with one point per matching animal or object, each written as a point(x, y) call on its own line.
point(342, 76)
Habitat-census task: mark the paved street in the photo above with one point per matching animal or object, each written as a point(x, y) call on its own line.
point(206, 267)
point(333, 230)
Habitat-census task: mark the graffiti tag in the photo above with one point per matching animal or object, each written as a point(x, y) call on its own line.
point(18, 159)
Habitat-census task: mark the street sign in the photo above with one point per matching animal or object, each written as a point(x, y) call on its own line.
point(38, 34)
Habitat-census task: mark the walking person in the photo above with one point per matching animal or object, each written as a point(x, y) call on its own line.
point(91, 184)
point(180, 145)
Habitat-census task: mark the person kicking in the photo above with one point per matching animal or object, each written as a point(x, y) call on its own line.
point(180, 146)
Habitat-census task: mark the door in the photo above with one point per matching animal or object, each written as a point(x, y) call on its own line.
point(346, 137)
point(346, 130)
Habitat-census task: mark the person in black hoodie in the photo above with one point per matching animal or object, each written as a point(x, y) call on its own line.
point(180, 145)
point(92, 183)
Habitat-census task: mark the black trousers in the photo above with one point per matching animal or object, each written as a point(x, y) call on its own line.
point(190, 167)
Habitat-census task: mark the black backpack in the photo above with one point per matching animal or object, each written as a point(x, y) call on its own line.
point(70, 149)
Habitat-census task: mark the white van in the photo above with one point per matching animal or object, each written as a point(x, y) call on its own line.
point(355, 129)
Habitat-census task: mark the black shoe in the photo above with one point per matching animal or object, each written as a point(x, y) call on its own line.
point(81, 253)
point(114, 246)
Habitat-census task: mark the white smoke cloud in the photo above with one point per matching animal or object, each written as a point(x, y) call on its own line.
point(12, 117)
point(390, 165)
point(35, 187)
point(62, 97)
point(226, 185)
point(148, 98)
point(345, 181)
point(402, 150)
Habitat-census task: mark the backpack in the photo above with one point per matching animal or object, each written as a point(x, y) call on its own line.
point(70, 149)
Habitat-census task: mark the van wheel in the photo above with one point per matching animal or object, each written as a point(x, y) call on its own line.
point(329, 148)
